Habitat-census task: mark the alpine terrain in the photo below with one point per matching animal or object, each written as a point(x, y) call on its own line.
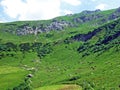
point(72, 52)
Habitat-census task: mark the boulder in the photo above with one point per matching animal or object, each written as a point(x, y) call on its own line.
point(29, 75)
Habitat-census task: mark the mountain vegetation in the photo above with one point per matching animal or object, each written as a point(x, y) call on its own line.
point(73, 52)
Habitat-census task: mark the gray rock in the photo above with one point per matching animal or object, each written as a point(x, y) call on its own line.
point(29, 75)
point(54, 25)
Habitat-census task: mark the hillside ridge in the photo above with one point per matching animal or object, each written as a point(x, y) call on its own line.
point(95, 17)
point(78, 51)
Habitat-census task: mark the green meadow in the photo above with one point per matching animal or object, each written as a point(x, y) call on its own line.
point(83, 57)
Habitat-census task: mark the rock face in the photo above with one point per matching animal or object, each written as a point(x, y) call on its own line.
point(87, 16)
point(94, 15)
point(115, 15)
point(83, 19)
point(111, 30)
point(90, 12)
point(57, 25)
point(118, 9)
point(85, 37)
point(54, 25)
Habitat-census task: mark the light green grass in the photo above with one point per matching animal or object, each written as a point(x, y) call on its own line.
point(10, 77)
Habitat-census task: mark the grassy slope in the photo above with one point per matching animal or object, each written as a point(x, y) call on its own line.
point(56, 35)
point(10, 76)
point(58, 68)
point(67, 64)
point(62, 65)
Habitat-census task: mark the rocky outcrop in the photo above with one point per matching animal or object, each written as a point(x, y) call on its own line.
point(118, 9)
point(90, 12)
point(96, 18)
point(85, 37)
point(57, 25)
point(87, 16)
point(110, 38)
point(115, 14)
point(111, 30)
point(54, 25)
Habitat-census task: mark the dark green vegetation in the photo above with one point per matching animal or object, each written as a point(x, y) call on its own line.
point(73, 51)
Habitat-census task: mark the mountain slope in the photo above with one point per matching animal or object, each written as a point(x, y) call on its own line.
point(93, 18)
point(82, 49)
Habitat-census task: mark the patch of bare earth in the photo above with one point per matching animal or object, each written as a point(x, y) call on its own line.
point(71, 87)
